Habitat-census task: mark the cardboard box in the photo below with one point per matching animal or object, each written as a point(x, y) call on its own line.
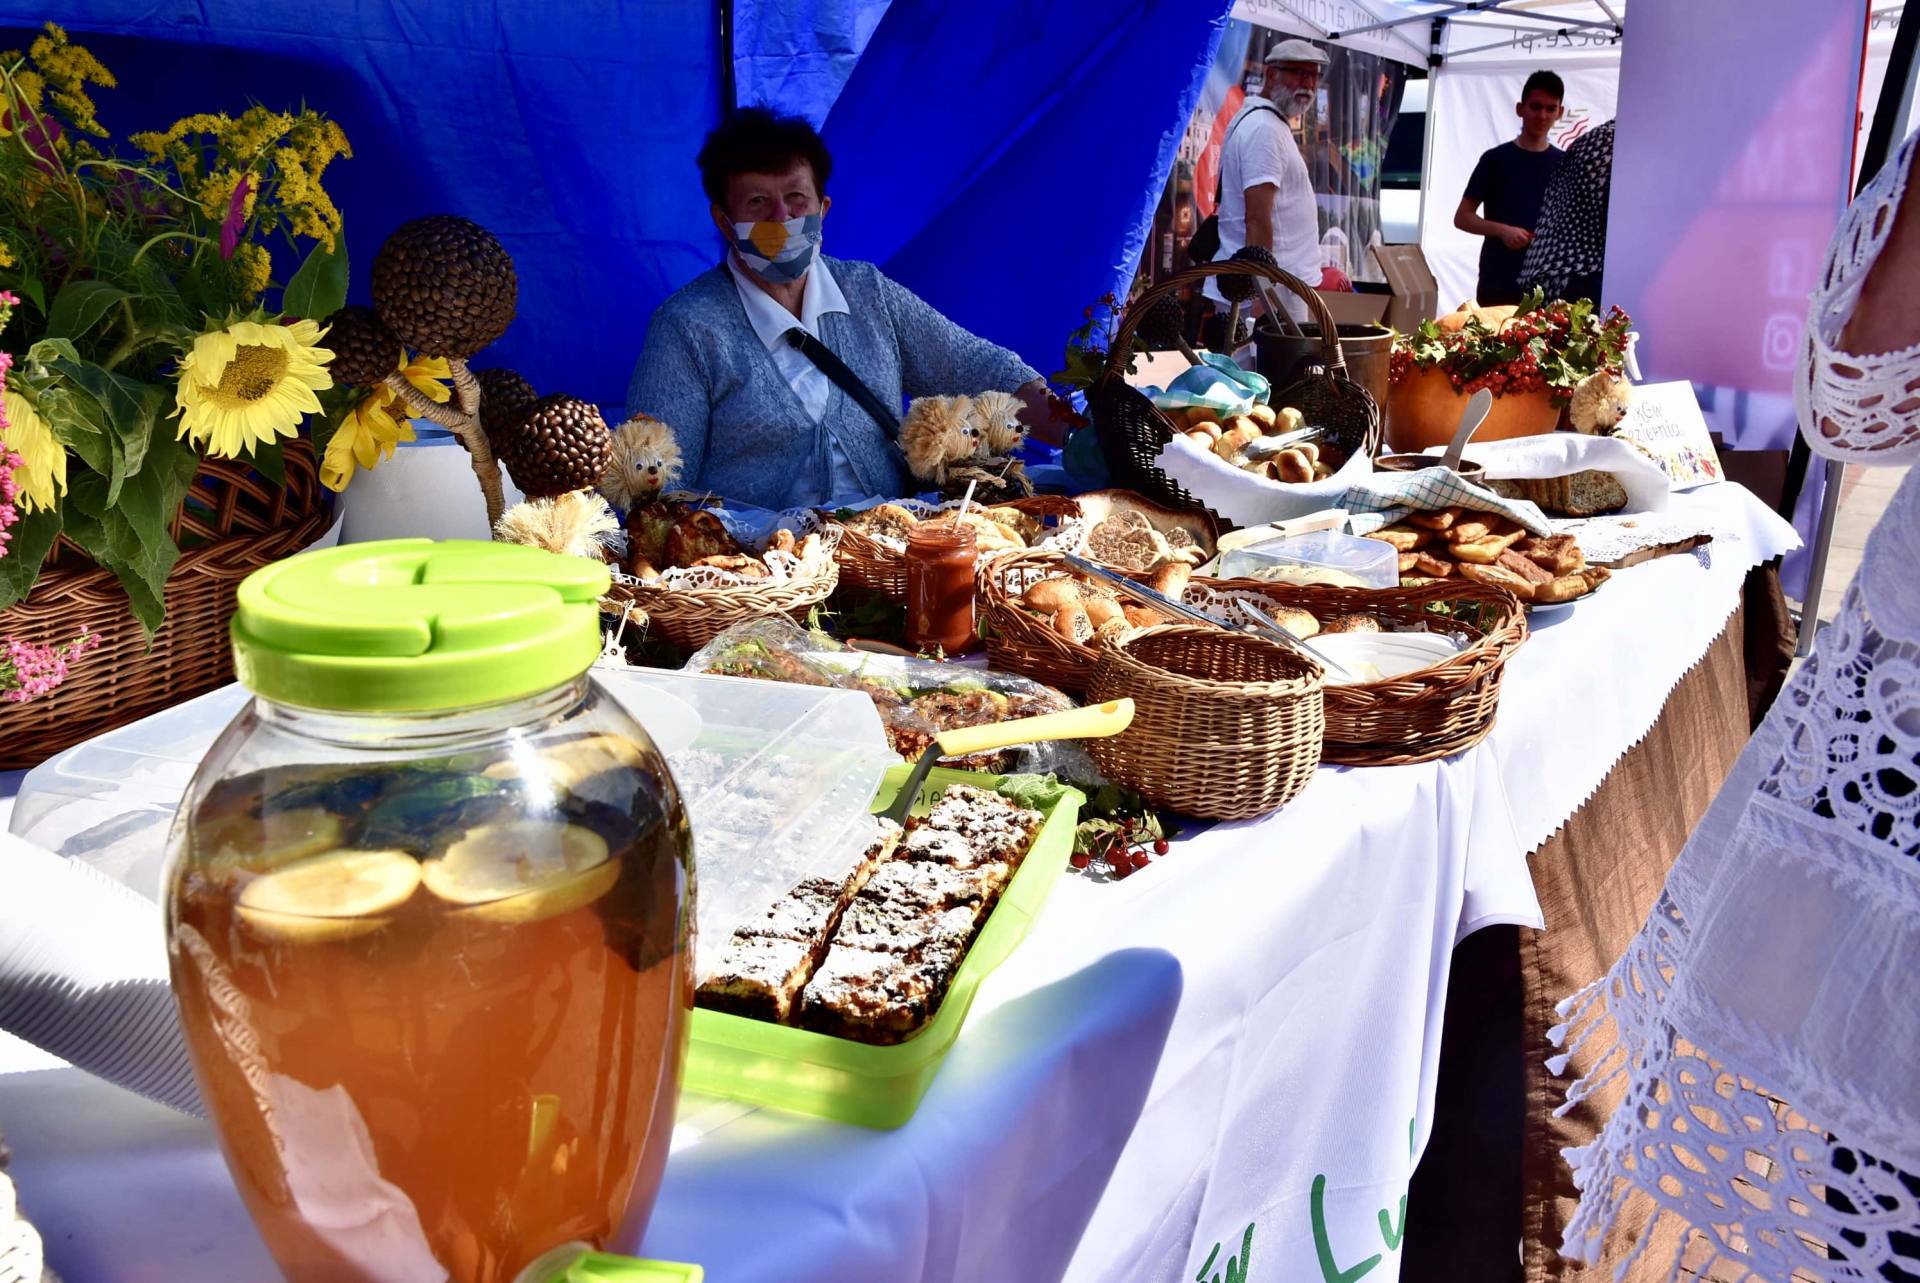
point(1356, 309)
point(1416, 294)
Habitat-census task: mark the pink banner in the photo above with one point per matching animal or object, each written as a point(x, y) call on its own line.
point(1734, 159)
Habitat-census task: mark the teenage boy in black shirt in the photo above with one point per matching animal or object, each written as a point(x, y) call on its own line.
point(1507, 187)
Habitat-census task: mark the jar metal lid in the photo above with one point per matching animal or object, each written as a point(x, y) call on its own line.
point(411, 625)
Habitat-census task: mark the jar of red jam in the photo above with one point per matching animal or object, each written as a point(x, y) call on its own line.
point(940, 561)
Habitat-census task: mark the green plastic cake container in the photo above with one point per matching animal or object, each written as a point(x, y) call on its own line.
point(853, 1082)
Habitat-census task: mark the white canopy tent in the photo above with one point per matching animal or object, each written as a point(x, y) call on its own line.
point(1479, 53)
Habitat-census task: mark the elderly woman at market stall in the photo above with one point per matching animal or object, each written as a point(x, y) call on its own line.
point(783, 372)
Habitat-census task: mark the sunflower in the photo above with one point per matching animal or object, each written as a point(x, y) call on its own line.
point(368, 434)
point(428, 374)
point(249, 383)
point(43, 460)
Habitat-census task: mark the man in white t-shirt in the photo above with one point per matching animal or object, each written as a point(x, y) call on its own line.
point(1266, 194)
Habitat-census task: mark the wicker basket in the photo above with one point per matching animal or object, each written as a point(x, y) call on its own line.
point(692, 617)
point(232, 522)
point(868, 564)
point(1133, 432)
point(1226, 725)
point(1431, 712)
point(1020, 642)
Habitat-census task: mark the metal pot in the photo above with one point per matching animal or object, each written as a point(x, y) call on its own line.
point(1285, 360)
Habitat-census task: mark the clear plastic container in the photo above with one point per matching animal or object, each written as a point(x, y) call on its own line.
point(1321, 557)
point(777, 780)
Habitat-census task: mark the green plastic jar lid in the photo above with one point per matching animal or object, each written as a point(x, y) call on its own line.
point(411, 625)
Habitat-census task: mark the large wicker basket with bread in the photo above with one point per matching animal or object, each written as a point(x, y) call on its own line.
point(1058, 647)
point(1226, 725)
point(692, 614)
point(1132, 431)
point(1428, 713)
point(879, 565)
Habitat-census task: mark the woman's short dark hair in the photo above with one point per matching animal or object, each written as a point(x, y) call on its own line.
point(1545, 82)
point(753, 140)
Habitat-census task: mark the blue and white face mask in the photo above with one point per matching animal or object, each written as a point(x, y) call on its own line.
point(778, 252)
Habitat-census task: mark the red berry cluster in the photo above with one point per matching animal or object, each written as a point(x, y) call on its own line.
point(1123, 853)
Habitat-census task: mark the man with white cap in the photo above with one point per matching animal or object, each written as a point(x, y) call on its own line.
point(1266, 194)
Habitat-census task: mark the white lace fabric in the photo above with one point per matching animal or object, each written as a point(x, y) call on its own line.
point(1765, 1021)
point(1854, 407)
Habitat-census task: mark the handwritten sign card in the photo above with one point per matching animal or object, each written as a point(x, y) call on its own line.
point(1664, 423)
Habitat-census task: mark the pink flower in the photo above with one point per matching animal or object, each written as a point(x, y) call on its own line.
point(39, 134)
point(27, 671)
point(236, 215)
point(9, 461)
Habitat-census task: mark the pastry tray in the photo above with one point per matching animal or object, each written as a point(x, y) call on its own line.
point(854, 1082)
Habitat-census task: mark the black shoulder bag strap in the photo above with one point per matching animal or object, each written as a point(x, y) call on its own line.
point(1220, 179)
point(849, 382)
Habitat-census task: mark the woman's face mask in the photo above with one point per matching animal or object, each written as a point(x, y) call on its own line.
point(779, 252)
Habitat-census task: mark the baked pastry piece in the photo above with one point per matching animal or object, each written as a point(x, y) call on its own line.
point(1499, 577)
point(769, 959)
point(888, 928)
point(872, 996)
point(1567, 587)
point(1484, 549)
point(1352, 624)
point(996, 826)
point(1299, 622)
point(927, 885)
point(887, 520)
point(1126, 540)
point(1425, 563)
point(1559, 554)
point(1440, 520)
point(759, 977)
point(1523, 567)
point(1402, 538)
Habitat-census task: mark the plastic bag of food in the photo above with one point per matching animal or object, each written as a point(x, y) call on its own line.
point(916, 698)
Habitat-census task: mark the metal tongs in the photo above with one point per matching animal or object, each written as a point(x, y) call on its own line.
point(1179, 609)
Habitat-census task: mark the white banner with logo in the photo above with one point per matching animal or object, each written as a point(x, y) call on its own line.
point(1472, 109)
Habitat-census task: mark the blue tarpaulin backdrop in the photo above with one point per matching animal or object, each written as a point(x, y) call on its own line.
point(1002, 161)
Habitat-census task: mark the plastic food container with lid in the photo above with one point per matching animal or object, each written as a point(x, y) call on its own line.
point(1320, 557)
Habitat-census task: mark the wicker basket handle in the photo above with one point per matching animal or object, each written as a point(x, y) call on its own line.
point(1323, 316)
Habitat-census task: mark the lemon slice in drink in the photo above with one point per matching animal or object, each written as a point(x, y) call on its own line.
point(522, 870)
point(329, 897)
point(566, 764)
point(242, 841)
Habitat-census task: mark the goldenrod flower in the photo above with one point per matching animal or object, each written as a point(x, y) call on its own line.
point(369, 434)
point(250, 383)
point(252, 269)
point(6, 255)
point(69, 69)
point(42, 474)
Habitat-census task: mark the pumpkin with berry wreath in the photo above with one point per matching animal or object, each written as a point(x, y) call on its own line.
point(1531, 358)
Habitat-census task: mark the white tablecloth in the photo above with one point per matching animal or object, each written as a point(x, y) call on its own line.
point(1235, 1046)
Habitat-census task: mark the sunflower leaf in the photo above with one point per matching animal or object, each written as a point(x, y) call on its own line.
point(27, 546)
point(319, 288)
point(129, 536)
point(106, 418)
point(269, 462)
point(79, 306)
